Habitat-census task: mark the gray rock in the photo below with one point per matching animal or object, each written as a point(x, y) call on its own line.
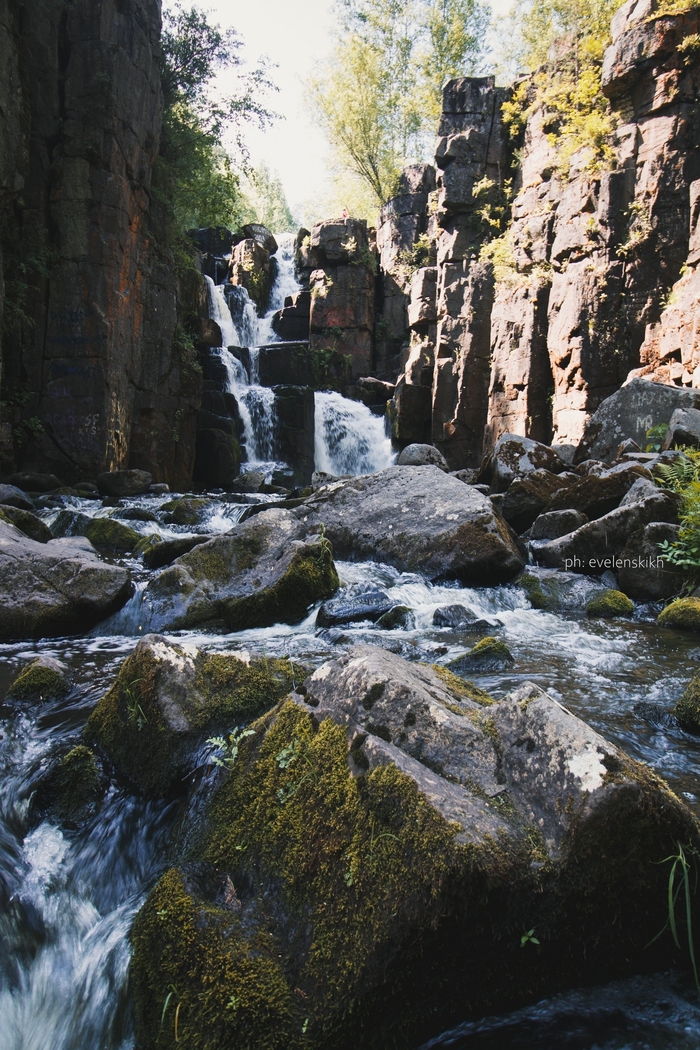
point(626, 448)
point(264, 571)
point(556, 523)
point(124, 482)
point(165, 552)
point(490, 654)
point(45, 678)
point(557, 591)
point(135, 514)
point(255, 231)
point(400, 618)
point(514, 457)
point(54, 588)
point(27, 523)
point(248, 482)
point(640, 490)
point(455, 616)
point(418, 519)
point(11, 496)
point(33, 482)
point(683, 429)
point(629, 413)
point(422, 456)
point(598, 545)
point(644, 575)
point(598, 494)
point(527, 497)
point(354, 608)
point(70, 523)
point(159, 488)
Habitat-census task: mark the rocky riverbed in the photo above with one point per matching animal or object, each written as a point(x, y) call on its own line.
point(447, 748)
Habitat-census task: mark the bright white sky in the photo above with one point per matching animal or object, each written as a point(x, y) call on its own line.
point(294, 34)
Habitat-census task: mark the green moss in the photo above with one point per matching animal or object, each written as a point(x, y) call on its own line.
point(27, 523)
point(461, 687)
point(146, 543)
point(687, 710)
point(202, 981)
point(683, 613)
point(129, 721)
point(111, 536)
point(533, 588)
point(39, 681)
point(71, 789)
point(398, 618)
point(489, 653)
point(609, 604)
point(186, 511)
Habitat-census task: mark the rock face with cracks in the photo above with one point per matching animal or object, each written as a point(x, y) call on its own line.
point(365, 872)
point(54, 588)
point(418, 519)
point(267, 570)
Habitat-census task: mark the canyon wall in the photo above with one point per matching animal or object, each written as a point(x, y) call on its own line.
point(93, 374)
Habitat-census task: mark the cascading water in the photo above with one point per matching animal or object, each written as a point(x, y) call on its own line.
point(349, 439)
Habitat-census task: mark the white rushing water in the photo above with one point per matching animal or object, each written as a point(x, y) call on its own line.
point(348, 438)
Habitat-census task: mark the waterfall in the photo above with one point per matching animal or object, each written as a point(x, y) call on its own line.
point(285, 284)
point(349, 439)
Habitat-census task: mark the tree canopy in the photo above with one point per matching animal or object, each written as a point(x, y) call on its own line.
point(378, 96)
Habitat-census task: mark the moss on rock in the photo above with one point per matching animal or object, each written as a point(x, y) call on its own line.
point(28, 523)
point(71, 789)
point(683, 613)
point(187, 511)
point(146, 544)
point(461, 687)
point(609, 604)
point(533, 589)
point(44, 679)
point(110, 536)
point(488, 654)
point(167, 700)
point(398, 618)
point(687, 710)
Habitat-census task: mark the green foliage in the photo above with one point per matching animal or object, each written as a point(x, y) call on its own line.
point(683, 477)
point(379, 95)
point(680, 865)
point(267, 201)
point(228, 746)
point(194, 178)
point(656, 436)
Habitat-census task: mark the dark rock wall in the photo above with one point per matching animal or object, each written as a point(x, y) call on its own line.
point(90, 372)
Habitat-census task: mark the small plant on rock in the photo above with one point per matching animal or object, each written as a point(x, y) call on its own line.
point(228, 747)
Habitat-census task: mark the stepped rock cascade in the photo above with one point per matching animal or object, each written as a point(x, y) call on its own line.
point(349, 439)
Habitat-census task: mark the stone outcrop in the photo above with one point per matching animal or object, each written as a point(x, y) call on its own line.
point(252, 265)
point(92, 373)
point(404, 831)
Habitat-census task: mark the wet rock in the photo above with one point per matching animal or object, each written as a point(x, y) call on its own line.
point(628, 413)
point(87, 489)
point(168, 699)
point(70, 523)
point(11, 496)
point(683, 429)
point(683, 613)
point(687, 710)
point(514, 457)
point(558, 591)
point(54, 588)
point(527, 497)
point(124, 482)
point(598, 494)
point(166, 551)
point(490, 654)
point(556, 523)
point(44, 679)
point(188, 511)
point(110, 536)
point(354, 608)
point(609, 604)
point(398, 618)
point(136, 514)
point(645, 574)
point(434, 812)
point(455, 616)
point(27, 523)
point(418, 519)
point(264, 571)
point(422, 456)
point(159, 488)
point(248, 482)
point(71, 789)
point(597, 546)
point(32, 482)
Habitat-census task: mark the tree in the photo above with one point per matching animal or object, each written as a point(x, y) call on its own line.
point(196, 179)
point(378, 97)
point(268, 202)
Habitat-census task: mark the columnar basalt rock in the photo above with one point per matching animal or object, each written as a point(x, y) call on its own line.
point(89, 352)
point(342, 292)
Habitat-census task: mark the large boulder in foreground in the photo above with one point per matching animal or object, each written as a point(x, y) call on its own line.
point(264, 571)
point(366, 871)
point(54, 588)
point(418, 519)
point(169, 698)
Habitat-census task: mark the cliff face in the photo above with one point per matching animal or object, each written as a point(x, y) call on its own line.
point(90, 378)
point(581, 290)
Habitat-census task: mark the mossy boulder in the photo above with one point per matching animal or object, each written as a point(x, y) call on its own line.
point(27, 523)
point(146, 544)
point(187, 511)
point(489, 654)
point(44, 679)
point(557, 591)
point(400, 617)
point(684, 613)
point(687, 710)
point(264, 571)
point(168, 699)
point(378, 876)
point(609, 604)
point(157, 555)
point(71, 789)
point(110, 536)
